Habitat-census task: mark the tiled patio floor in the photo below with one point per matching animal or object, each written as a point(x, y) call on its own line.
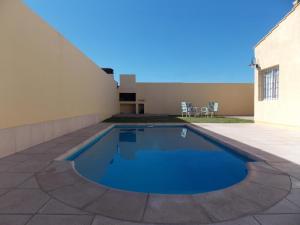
point(278, 140)
point(34, 188)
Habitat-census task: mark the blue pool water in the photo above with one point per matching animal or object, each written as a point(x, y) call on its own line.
point(159, 159)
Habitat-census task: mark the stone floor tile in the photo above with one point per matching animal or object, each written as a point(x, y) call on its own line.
point(51, 181)
point(58, 167)
point(69, 142)
point(281, 219)
point(27, 199)
point(56, 207)
point(41, 148)
point(79, 194)
point(226, 205)
point(261, 195)
point(284, 206)
point(43, 157)
point(295, 183)
point(61, 148)
point(120, 205)
point(269, 157)
point(264, 167)
point(272, 180)
point(249, 220)
point(61, 220)
point(23, 201)
point(174, 209)
point(14, 219)
point(29, 184)
point(3, 191)
point(16, 158)
point(28, 167)
point(101, 220)
point(64, 139)
point(83, 134)
point(290, 168)
point(294, 196)
point(261, 136)
point(11, 180)
point(5, 165)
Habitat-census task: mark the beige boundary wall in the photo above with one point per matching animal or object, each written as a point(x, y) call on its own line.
point(281, 47)
point(165, 98)
point(47, 86)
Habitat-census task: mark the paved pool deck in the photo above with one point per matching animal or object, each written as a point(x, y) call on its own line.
point(36, 189)
point(278, 140)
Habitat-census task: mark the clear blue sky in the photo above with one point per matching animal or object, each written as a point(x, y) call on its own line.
point(166, 40)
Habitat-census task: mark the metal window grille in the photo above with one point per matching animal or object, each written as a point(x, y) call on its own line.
point(269, 84)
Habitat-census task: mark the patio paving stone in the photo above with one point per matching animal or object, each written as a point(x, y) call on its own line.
point(68, 144)
point(58, 167)
point(261, 195)
point(284, 206)
point(61, 220)
point(87, 133)
point(79, 194)
point(269, 157)
point(116, 204)
point(101, 220)
point(51, 181)
point(28, 167)
point(226, 205)
point(11, 180)
point(242, 221)
point(47, 157)
point(41, 148)
point(55, 207)
point(17, 158)
point(295, 183)
point(3, 191)
point(263, 167)
point(64, 139)
point(294, 196)
point(268, 138)
point(22, 201)
point(5, 165)
point(174, 209)
point(62, 148)
point(290, 168)
point(29, 184)
point(29, 179)
point(281, 219)
point(14, 219)
point(271, 180)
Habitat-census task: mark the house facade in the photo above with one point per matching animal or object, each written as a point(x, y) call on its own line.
point(277, 73)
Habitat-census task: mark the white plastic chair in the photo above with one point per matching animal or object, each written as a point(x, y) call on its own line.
point(204, 111)
point(185, 109)
point(213, 108)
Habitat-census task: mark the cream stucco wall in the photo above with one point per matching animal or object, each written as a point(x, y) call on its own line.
point(43, 76)
point(127, 83)
point(281, 47)
point(165, 98)
point(47, 86)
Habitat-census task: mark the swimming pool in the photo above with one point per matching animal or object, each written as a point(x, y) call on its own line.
point(159, 159)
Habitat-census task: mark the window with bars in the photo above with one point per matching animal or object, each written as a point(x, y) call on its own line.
point(269, 84)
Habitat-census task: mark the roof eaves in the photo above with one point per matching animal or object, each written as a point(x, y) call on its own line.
point(277, 25)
